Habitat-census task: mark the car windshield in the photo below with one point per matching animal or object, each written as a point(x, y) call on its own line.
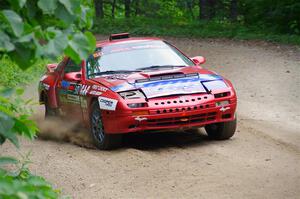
point(135, 56)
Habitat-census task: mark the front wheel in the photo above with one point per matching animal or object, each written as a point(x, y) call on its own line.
point(222, 130)
point(101, 139)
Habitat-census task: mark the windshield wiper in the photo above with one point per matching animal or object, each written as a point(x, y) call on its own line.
point(113, 72)
point(160, 66)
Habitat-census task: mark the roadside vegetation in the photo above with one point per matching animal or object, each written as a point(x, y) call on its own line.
point(12, 76)
point(275, 21)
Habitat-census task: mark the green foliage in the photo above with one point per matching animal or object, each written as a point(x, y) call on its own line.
point(21, 183)
point(14, 117)
point(40, 28)
point(271, 20)
point(282, 16)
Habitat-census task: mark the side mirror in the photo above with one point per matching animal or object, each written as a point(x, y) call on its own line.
point(73, 76)
point(198, 60)
point(51, 67)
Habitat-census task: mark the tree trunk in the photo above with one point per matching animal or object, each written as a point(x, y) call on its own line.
point(99, 8)
point(189, 5)
point(113, 6)
point(137, 7)
point(203, 9)
point(212, 8)
point(233, 10)
point(127, 8)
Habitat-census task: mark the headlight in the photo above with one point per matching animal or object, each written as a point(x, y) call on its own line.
point(136, 94)
point(222, 103)
point(137, 105)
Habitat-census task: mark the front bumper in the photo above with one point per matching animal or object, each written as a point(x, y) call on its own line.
point(164, 118)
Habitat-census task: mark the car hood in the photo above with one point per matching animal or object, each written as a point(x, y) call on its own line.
point(158, 83)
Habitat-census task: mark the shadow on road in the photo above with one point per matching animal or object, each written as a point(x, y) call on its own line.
point(140, 141)
point(155, 141)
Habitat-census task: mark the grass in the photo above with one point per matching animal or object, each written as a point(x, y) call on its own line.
point(12, 75)
point(196, 29)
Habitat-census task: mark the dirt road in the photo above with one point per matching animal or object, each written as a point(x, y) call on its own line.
point(261, 161)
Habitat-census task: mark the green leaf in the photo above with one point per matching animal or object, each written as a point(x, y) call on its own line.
point(15, 21)
point(56, 46)
point(6, 122)
point(8, 160)
point(11, 136)
point(5, 44)
point(23, 55)
point(71, 5)
point(17, 4)
point(62, 13)
point(6, 92)
point(91, 40)
point(72, 54)
point(80, 46)
point(48, 6)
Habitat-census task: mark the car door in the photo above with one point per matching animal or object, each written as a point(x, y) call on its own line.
point(68, 88)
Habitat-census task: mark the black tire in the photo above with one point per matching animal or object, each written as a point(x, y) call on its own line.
point(222, 130)
point(50, 112)
point(102, 140)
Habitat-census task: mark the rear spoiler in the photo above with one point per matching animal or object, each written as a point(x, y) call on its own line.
point(118, 36)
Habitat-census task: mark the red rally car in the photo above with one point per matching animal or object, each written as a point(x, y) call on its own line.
point(138, 85)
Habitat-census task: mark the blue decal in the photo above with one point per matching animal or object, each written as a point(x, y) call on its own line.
point(168, 82)
point(209, 77)
point(65, 84)
point(180, 83)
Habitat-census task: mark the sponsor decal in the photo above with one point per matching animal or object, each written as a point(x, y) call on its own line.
point(139, 119)
point(74, 99)
point(83, 103)
point(172, 87)
point(43, 78)
point(95, 92)
point(84, 89)
point(65, 84)
point(97, 54)
point(223, 109)
point(99, 88)
point(46, 86)
point(107, 103)
point(77, 88)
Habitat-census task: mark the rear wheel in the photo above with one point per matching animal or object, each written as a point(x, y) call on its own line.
point(222, 130)
point(101, 139)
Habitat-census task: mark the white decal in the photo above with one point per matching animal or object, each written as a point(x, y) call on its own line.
point(84, 89)
point(107, 103)
point(99, 88)
point(44, 77)
point(140, 118)
point(46, 86)
point(223, 109)
point(93, 92)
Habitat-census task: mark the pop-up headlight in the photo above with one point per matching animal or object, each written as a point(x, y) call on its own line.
point(136, 94)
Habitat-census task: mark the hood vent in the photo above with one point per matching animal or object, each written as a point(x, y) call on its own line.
point(166, 76)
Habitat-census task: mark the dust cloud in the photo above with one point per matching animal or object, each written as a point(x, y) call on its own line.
point(63, 131)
